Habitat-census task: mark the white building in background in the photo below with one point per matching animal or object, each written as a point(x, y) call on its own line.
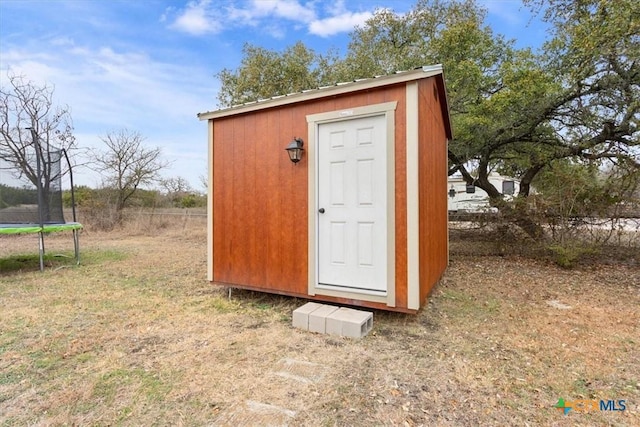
point(469, 198)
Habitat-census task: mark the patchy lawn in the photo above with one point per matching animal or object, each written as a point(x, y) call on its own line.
point(136, 336)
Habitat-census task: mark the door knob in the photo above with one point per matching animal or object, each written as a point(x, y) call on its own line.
point(321, 210)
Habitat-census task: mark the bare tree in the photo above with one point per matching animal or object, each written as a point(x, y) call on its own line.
point(175, 185)
point(32, 128)
point(127, 164)
point(204, 181)
point(176, 188)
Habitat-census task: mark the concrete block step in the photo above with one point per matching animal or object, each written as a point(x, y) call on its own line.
point(329, 319)
point(347, 322)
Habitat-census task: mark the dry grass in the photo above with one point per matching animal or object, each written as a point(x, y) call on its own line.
point(136, 336)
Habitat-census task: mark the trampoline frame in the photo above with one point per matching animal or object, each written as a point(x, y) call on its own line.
point(43, 228)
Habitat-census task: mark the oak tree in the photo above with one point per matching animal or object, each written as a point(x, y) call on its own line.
point(513, 110)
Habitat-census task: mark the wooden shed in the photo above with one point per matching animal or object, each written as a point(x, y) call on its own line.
point(361, 219)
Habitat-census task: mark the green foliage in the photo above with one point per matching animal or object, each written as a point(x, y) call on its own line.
point(82, 194)
point(519, 112)
point(265, 73)
point(583, 208)
point(572, 190)
point(31, 262)
point(179, 194)
point(144, 198)
point(569, 254)
point(193, 201)
point(12, 196)
point(148, 385)
point(97, 208)
point(513, 110)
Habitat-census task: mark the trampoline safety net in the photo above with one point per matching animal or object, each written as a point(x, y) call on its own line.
point(21, 202)
point(31, 195)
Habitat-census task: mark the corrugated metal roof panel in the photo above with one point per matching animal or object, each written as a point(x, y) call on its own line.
point(338, 88)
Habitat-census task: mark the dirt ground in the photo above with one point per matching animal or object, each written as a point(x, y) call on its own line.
point(135, 335)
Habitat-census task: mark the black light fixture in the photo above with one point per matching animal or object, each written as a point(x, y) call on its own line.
point(295, 149)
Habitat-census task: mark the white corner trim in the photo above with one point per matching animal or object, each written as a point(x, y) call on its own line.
point(413, 207)
point(210, 204)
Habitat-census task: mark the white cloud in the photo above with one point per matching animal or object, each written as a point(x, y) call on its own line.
point(109, 89)
point(266, 13)
point(62, 41)
point(275, 31)
point(288, 9)
point(270, 15)
point(196, 19)
point(345, 22)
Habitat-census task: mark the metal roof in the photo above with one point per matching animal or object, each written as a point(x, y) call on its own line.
point(339, 88)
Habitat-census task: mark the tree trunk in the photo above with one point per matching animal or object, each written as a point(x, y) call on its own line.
point(519, 214)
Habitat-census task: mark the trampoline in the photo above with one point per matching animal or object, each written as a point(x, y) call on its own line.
point(31, 195)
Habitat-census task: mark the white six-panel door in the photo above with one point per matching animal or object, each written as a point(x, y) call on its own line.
point(352, 204)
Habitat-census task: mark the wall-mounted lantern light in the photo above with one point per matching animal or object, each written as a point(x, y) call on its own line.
point(295, 149)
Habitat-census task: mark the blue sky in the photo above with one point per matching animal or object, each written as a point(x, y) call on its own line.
point(150, 65)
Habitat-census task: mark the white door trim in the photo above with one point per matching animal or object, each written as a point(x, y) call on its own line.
point(313, 121)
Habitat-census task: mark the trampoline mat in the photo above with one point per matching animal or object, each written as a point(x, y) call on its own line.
point(37, 228)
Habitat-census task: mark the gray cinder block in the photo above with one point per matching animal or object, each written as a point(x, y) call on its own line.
point(301, 315)
point(317, 318)
point(348, 322)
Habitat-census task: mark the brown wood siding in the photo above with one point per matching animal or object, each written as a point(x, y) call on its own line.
point(401, 202)
point(432, 177)
point(259, 238)
point(260, 197)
